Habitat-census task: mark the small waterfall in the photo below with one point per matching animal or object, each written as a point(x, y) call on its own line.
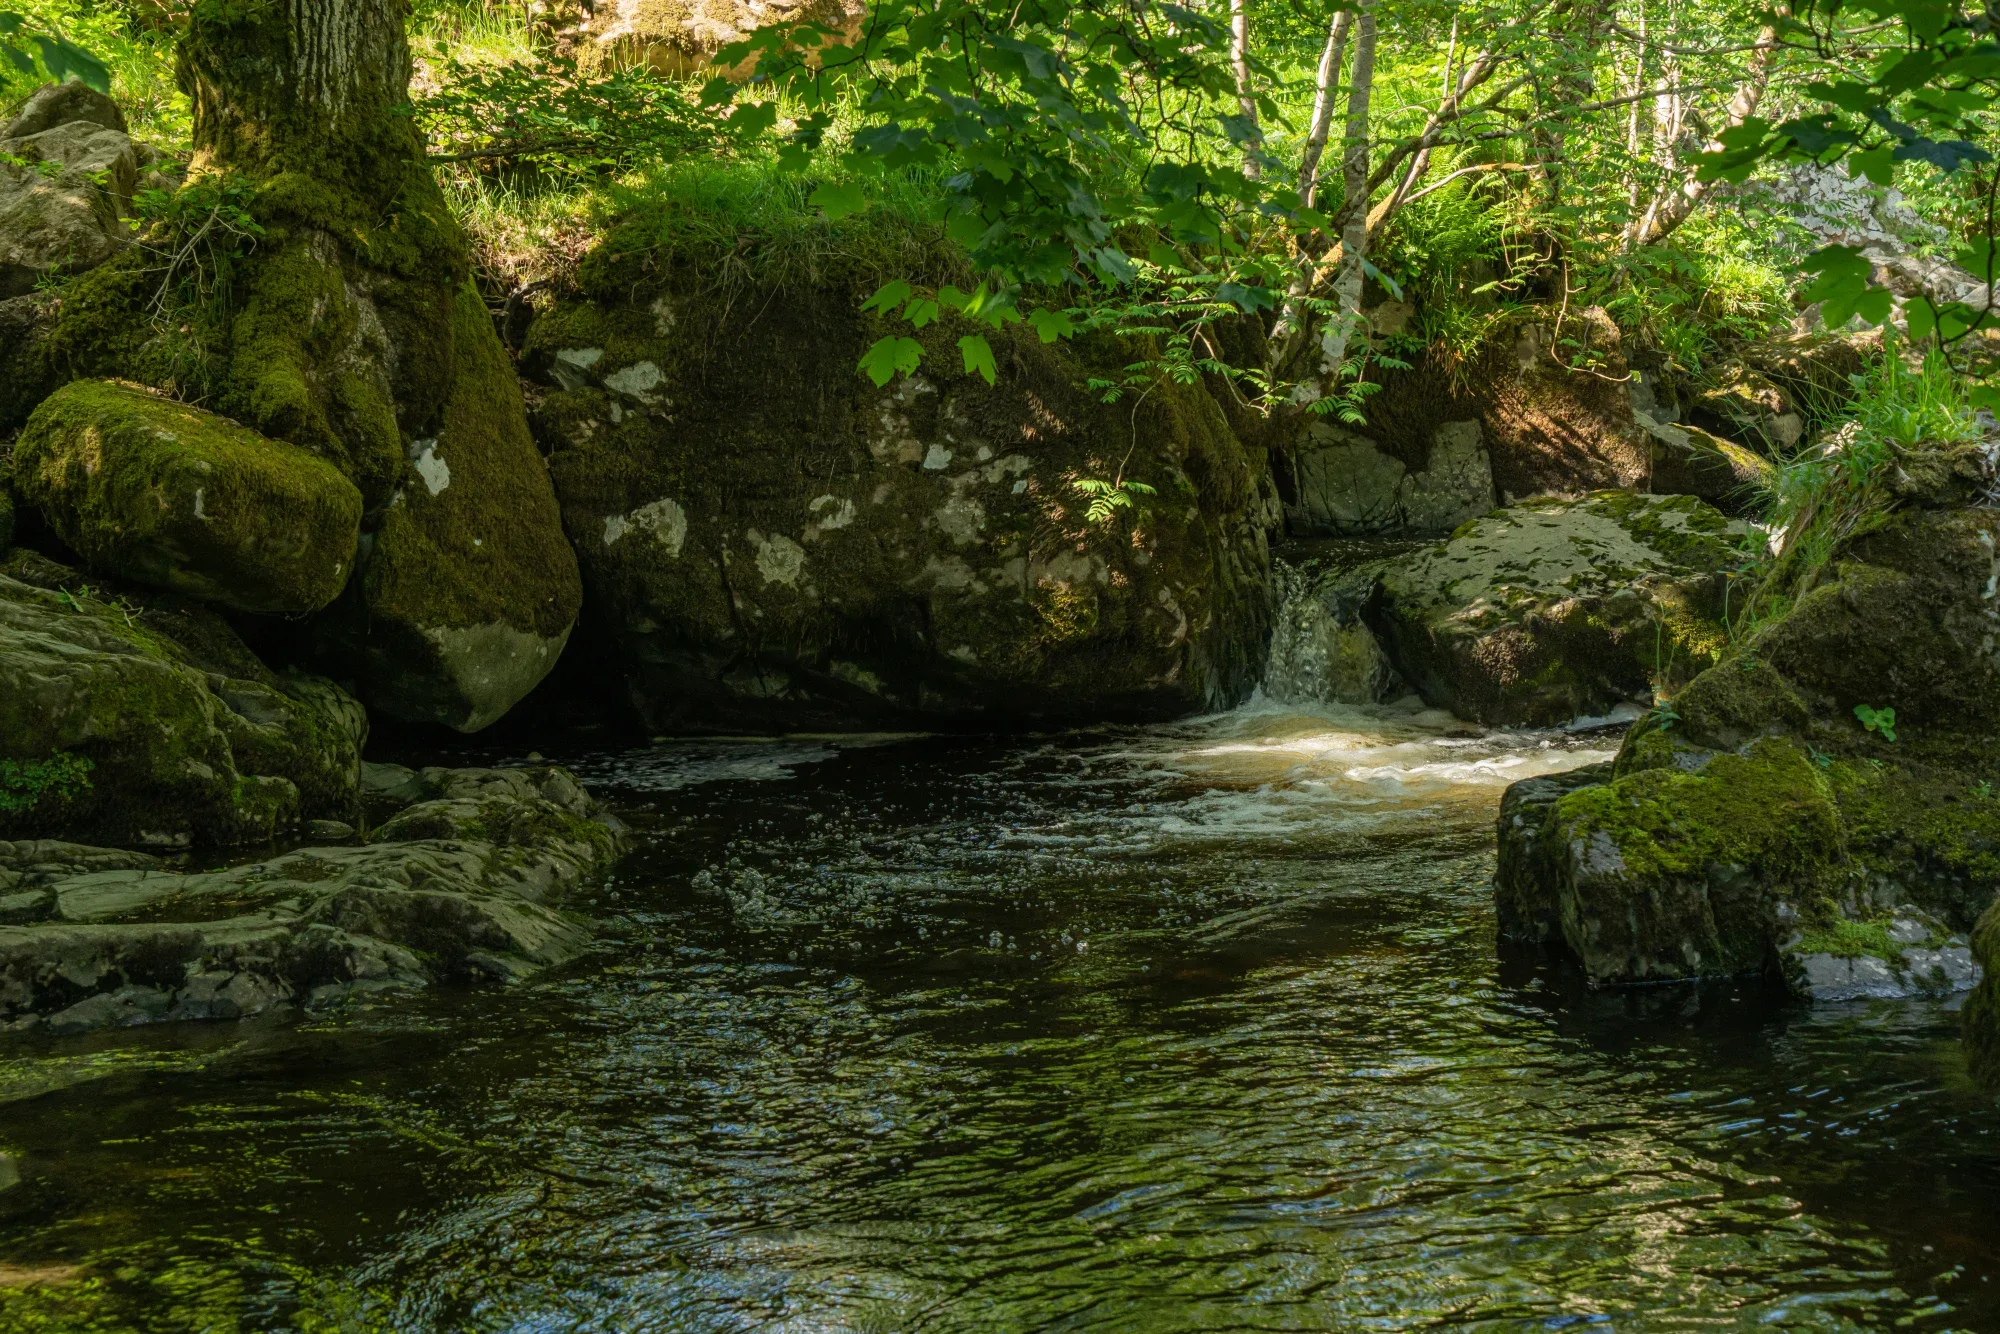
point(1322, 652)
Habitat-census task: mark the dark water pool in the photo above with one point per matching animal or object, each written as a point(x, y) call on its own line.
point(1185, 1028)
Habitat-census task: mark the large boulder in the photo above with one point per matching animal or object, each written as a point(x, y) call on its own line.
point(141, 721)
point(169, 495)
point(1760, 825)
point(1556, 609)
point(467, 884)
point(468, 588)
point(351, 329)
point(67, 172)
point(772, 541)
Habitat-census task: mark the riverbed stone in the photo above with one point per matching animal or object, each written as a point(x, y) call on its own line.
point(470, 884)
point(136, 719)
point(1555, 609)
point(166, 494)
point(770, 540)
point(1757, 824)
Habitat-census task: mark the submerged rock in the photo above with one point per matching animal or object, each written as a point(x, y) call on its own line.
point(466, 884)
point(1758, 826)
point(149, 722)
point(166, 494)
point(771, 541)
point(1556, 609)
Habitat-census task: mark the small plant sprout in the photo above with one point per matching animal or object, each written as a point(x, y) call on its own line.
point(1819, 757)
point(1882, 722)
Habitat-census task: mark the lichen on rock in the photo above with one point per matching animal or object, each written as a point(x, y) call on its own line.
point(772, 541)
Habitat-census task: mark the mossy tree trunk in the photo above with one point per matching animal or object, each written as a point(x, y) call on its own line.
point(352, 328)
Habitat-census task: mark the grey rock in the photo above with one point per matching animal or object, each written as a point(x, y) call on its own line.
point(55, 104)
point(1556, 609)
point(329, 831)
point(468, 885)
point(1827, 978)
point(61, 206)
point(1348, 483)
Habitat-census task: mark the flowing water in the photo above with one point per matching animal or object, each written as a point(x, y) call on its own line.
point(1190, 1027)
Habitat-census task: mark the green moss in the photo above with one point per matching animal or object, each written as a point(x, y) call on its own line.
point(160, 492)
point(1845, 938)
point(1768, 809)
point(1982, 1008)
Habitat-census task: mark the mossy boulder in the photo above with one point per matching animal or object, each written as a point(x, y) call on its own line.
point(169, 495)
point(1982, 1008)
point(469, 587)
point(138, 720)
point(772, 541)
point(1554, 609)
point(352, 330)
point(1756, 824)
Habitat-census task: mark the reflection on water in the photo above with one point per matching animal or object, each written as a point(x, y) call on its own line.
point(1196, 1027)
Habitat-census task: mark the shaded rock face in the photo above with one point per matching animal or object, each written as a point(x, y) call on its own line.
point(1556, 609)
point(178, 498)
point(1322, 649)
point(1346, 483)
point(1758, 827)
point(64, 195)
point(146, 722)
point(772, 541)
point(465, 883)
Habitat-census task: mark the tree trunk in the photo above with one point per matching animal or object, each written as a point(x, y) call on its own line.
point(1321, 125)
point(351, 327)
point(1348, 276)
point(1246, 101)
point(1674, 204)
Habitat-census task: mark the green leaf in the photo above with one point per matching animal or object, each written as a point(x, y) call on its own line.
point(978, 354)
point(64, 58)
point(1877, 164)
point(888, 297)
point(920, 312)
point(1051, 324)
point(881, 362)
point(838, 201)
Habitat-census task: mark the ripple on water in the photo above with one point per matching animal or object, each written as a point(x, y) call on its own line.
point(1188, 1027)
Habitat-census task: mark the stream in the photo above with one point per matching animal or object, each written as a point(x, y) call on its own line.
point(1189, 1027)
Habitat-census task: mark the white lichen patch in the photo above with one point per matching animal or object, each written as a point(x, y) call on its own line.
point(663, 316)
point(960, 519)
point(854, 674)
point(832, 512)
point(430, 465)
point(663, 518)
point(572, 365)
point(964, 653)
point(779, 559)
point(937, 459)
point(949, 574)
point(894, 438)
point(1012, 465)
point(638, 380)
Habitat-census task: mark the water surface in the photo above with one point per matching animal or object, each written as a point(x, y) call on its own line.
point(1182, 1028)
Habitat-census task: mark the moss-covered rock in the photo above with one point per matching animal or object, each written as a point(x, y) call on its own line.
point(163, 493)
point(136, 720)
point(1982, 1008)
point(772, 541)
point(352, 330)
point(1756, 824)
point(1555, 609)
